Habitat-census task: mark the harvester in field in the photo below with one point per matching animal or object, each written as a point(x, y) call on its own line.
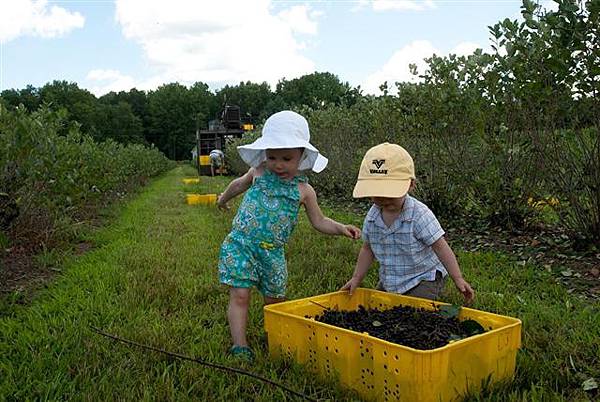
point(229, 125)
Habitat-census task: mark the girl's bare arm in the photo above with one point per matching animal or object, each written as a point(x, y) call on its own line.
point(323, 224)
point(236, 187)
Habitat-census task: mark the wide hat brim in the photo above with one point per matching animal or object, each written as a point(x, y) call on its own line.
point(254, 154)
point(381, 188)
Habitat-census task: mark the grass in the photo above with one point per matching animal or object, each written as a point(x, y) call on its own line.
point(152, 277)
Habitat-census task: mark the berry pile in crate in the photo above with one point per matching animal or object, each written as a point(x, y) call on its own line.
point(405, 325)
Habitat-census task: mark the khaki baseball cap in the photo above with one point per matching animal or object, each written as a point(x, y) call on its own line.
point(385, 171)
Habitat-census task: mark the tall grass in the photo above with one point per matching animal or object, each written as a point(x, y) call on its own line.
point(152, 278)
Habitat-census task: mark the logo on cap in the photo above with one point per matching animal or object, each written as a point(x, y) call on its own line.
point(378, 164)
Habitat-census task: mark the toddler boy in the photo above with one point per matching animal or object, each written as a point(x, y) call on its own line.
point(401, 232)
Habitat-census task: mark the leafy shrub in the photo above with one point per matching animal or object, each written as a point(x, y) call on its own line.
point(54, 178)
point(573, 163)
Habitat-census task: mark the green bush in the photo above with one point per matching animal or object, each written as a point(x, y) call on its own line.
point(54, 178)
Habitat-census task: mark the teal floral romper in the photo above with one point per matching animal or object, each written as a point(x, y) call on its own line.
point(253, 253)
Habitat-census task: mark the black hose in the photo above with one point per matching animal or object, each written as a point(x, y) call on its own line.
point(204, 363)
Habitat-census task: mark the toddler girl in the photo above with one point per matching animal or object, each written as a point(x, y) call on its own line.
point(252, 254)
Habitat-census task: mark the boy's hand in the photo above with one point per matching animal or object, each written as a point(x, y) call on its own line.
point(466, 290)
point(352, 284)
point(351, 231)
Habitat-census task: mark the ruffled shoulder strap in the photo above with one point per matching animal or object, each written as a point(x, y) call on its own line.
point(301, 179)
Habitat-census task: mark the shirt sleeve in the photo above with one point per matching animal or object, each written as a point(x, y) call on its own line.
point(427, 228)
point(365, 230)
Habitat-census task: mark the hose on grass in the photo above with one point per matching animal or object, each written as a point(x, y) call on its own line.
point(204, 363)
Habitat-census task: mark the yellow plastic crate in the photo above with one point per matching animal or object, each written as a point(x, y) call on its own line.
point(385, 371)
point(204, 160)
point(191, 181)
point(201, 199)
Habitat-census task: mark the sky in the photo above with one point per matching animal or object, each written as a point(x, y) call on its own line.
point(116, 45)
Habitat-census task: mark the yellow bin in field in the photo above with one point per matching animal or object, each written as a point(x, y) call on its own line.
point(201, 199)
point(191, 181)
point(204, 160)
point(383, 371)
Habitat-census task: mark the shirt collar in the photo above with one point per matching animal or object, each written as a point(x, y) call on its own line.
point(408, 208)
point(406, 214)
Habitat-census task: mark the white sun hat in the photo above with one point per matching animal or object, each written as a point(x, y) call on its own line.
point(284, 129)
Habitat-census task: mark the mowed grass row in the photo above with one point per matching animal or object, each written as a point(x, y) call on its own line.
point(152, 278)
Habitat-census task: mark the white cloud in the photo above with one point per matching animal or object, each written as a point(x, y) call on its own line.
point(395, 5)
point(544, 6)
point(466, 48)
point(109, 80)
point(298, 18)
point(36, 18)
point(549, 5)
point(396, 69)
point(359, 5)
point(225, 41)
point(101, 82)
point(401, 5)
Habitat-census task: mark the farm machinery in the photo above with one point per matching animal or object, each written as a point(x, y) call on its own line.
point(227, 126)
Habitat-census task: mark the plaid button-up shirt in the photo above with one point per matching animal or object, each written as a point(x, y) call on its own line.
point(403, 249)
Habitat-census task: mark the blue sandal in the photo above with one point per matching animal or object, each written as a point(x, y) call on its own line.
point(243, 352)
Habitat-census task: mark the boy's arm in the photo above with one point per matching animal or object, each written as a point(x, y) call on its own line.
point(236, 187)
point(447, 257)
point(308, 197)
point(363, 263)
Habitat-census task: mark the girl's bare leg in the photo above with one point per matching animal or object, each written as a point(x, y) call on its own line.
point(237, 314)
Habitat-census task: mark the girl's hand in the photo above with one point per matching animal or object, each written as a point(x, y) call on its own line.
point(466, 290)
point(352, 284)
point(222, 205)
point(351, 231)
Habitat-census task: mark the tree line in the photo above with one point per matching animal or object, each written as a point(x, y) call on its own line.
point(168, 116)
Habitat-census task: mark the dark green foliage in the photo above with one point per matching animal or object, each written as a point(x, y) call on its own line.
point(79, 104)
point(172, 120)
point(118, 122)
point(235, 164)
point(49, 179)
point(252, 99)
point(548, 82)
point(315, 91)
point(205, 105)
point(137, 101)
point(135, 98)
point(29, 97)
point(174, 114)
point(471, 327)
point(113, 116)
